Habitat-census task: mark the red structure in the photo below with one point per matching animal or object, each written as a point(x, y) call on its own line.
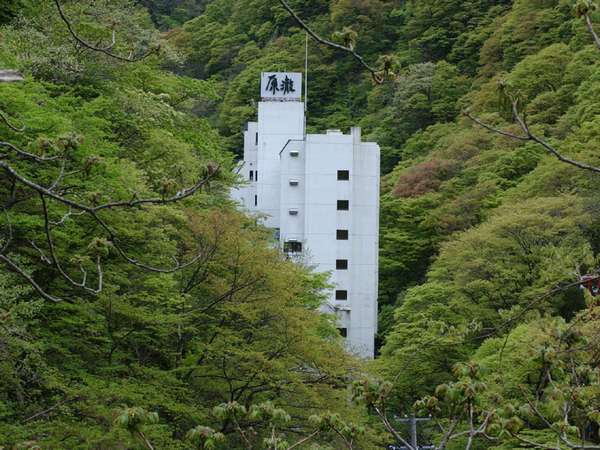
point(591, 283)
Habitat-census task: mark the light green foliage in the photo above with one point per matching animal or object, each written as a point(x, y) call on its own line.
point(241, 324)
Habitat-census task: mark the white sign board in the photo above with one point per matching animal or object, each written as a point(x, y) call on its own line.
point(281, 86)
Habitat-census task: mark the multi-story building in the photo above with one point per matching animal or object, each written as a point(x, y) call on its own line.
point(320, 192)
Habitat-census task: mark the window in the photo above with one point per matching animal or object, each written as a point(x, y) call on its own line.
point(256, 176)
point(341, 264)
point(343, 175)
point(341, 235)
point(292, 247)
point(252, 175)
point(256, 139)
point(343, 332)
point(293, 182)
point(256, 200)
point(294, 153)
point(343, 205)
point(293, 212)
point(341, 295)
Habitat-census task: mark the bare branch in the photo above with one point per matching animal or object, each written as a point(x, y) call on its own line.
point(105, 50)
point(49, 193)
point(561, 435)
point(14, 267)
point(495, 130)
point(529, 136)
point(304, 440)
point(43, 256)
point(56, 262)
point(66, 216)
point(388, 426)
point(27, 155)
point(447, 434)
point(534, 444)
point(590, 27)
point(10, 125)
point(184, 193)
point(50, 409)
point(9, 237)
point(376, 74)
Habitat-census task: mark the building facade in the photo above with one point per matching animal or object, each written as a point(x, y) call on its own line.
point(320, 192)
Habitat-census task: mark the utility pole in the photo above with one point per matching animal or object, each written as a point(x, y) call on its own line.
point(412, 422)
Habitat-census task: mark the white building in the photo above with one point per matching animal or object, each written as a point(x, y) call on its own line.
point(321, 193)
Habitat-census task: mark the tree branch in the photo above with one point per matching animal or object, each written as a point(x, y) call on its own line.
point(590, 27)
point(376, 74)
point(529, 136)
point(27, 155)
point(14, 267)
point(304, 440)
point(105, 50)
point(46, 193)
point(388, 426)
point(184, 193)
point(10, 125)
point(56, 263)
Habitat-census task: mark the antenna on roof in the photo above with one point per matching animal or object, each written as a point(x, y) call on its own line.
point(305, 81)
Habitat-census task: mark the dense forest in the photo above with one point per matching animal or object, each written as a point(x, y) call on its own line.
point(140, 308)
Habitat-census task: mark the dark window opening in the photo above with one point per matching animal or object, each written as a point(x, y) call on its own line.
point(256, 176)
point(256, 200)
point(341, 295)
point(343, 175)
point(252, 175)
point(256, 139)
point(341, 235)
point(292, 247)
point(343, 205)
point(341, 264)
point(343, 332)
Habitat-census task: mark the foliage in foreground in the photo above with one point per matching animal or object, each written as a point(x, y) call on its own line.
point(142, 361)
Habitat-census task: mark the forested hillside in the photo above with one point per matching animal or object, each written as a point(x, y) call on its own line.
point(130, 285)
point(150, 300)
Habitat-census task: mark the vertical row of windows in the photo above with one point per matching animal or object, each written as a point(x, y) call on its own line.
point(253, 175)
point(342, 235)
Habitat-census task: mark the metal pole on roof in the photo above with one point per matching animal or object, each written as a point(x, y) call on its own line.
point(305, 82)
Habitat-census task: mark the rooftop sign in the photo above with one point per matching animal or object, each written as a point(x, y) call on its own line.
point(281, 86)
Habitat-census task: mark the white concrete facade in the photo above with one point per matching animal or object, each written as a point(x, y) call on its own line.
point(321, 192)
